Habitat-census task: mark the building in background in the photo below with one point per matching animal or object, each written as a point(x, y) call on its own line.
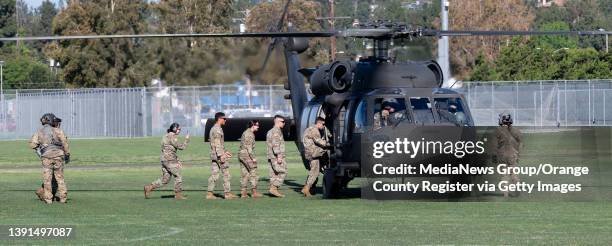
point(548, 3)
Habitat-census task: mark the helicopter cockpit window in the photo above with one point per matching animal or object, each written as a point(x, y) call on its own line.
point(361, 116)
point(389, 112)
point(450, 110)
point(421, 107)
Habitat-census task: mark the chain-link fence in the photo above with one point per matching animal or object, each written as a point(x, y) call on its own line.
point(541, 103)
point(136, 112)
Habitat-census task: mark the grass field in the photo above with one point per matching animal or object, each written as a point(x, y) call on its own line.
point(106, 206)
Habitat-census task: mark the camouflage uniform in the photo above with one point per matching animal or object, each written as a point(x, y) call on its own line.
point(314, 149)
point(248, 169)
point(54, 148)
point(276, 149)
point(508, 148)
point(385, 118)
point(219, 160)
point(171, 165)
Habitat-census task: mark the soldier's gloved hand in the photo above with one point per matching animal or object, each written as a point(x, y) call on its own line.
point(67, 158)
point(228, 154)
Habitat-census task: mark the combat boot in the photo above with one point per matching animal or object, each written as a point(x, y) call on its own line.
point(179, 196)
point(274, 191)
point(210, 196)
point(306, 191)
point(147, 191)
point(40, 192)
point(244, 194)
point(254, 194)
point(229, 195)
point(62, 200)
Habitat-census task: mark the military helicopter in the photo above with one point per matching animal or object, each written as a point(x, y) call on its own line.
point(349, 94)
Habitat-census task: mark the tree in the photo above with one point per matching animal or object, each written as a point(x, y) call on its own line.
point(484, 15)
point(190, 61)
point(101, 62)
point(26, 72)
point(555, 42)
point(7, 19)
point(302, 14)
point(47, 12)
point(586, 15)
point(525, 61)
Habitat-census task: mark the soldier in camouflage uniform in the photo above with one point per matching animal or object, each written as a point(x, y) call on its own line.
point(171, 165)
point(40, 192)
point(508, 147)
point(54, 150)
point(314, 150)
point(220, 159)
point(248, 167)
point(276, 155)
point(387, 116)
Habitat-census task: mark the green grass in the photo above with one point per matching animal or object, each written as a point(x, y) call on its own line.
point(106, 204)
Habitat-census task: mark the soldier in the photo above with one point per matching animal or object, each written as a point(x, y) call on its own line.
point(453, 115)
point(387, 115)
point(248, 167)
point(171, 165)
point(220, 159)
point(54, 150)
point(508, 147)
point(57, 123)
point(314, 151)
point(276, 155)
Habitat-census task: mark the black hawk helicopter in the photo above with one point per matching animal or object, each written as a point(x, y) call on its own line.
point(350, 94)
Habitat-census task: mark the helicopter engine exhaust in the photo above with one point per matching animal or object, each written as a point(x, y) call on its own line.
point(327, 79)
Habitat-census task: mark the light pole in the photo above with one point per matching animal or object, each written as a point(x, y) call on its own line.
point(603, 30)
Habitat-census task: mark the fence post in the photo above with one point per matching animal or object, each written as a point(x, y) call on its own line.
point(492, 103)
point(171, 106)
point(143, 108)
point(516, 102)
point(590, 116)
point(558, 104)
point(219, 103)
point(535, 109)
point(565, 101)
point(194, 109)
point(541, 106)
point(270, 95)
point(104, 112)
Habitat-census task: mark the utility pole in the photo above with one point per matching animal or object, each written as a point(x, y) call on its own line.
point(332, 23)
point(443, 50)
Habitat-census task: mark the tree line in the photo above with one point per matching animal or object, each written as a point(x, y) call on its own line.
point(189, 61)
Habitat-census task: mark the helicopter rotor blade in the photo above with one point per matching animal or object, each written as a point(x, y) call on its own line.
point(177, 35)
point(513, 33)
point(274, 41)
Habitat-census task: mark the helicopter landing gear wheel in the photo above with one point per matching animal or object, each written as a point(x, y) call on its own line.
point(331, 184)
